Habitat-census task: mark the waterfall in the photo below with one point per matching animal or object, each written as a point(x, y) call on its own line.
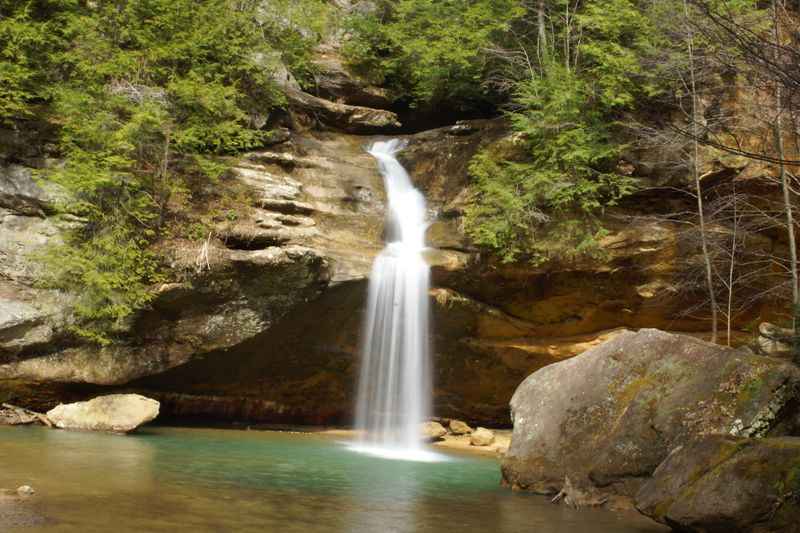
point(395, 383)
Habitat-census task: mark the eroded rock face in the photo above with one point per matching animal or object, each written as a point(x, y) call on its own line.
point(30, 317)
point(438, 160)
point(238, 295)
point(335, 82)
point(261, 321)
point(302, 232)
point(314, 221)
point(608, 417)
point(724, 483)
point(344, 117)
point(117, 413)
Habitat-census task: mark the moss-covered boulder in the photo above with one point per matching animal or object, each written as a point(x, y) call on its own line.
point(608, 417)
point(724, 483)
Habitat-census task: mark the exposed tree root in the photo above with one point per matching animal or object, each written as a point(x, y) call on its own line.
point(575, 497)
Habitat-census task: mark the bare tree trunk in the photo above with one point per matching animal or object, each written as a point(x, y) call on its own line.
point(787, 201)
point(164, 193)
point(695, 171)
point(731, 267)
point(567, 36)
point(540, 21)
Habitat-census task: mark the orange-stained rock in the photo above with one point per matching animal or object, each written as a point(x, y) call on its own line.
point(261, 322)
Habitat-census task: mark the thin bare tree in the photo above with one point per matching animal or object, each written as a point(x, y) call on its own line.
point(696, 173)
point(781, 153)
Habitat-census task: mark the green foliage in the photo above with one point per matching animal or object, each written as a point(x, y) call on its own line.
point(432, 50)
point(616, 35)
point(539, 199)
point(370, 50)
point(29, 32)
point(571, 78)
point(294, 28)
point(542, 199)
point(150, 94)
point(114, 270)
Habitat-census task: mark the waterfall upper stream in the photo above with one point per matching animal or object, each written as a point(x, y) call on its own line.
point(395, 382)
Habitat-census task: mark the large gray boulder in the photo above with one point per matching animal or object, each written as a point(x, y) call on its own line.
point(724, 483)
point(608, 417)
point(118, 413)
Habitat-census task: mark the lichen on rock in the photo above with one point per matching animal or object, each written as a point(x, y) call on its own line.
point(608, 417)
point(724, 483)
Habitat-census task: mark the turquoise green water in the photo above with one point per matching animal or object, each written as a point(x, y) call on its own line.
point(170, 479)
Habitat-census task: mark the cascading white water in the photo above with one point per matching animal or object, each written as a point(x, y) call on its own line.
point(395, 383)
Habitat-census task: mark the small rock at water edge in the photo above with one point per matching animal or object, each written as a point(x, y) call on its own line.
point(433, 431)
point(457, 427)
point(21, 492)
point(481, 437)
point(118, 413)
point(25, 490)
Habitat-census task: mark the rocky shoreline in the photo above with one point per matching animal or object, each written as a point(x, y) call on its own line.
point(693, 435)
point(446, 441)
point(113, 413)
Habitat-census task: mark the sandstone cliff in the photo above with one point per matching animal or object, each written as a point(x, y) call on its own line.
point(260, 319)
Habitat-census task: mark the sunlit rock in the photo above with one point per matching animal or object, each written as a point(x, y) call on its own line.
point(775, 341)
point(458, 427)
point(118, 413)
point(481, 437)
point(432, 431)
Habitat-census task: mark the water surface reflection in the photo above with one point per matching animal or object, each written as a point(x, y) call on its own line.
point(168, 479)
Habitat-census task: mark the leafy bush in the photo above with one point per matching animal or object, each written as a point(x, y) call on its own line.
point(30, 33)
point(538, 195)
point(148, 94)
point(431, 50)
point(294, 28)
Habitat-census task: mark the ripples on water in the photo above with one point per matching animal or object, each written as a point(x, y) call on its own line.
point(168, 479)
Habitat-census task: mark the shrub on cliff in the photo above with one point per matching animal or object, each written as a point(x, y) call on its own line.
point(148, 95)
point(31, 35)
point(539, 193)
point(540, 196)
